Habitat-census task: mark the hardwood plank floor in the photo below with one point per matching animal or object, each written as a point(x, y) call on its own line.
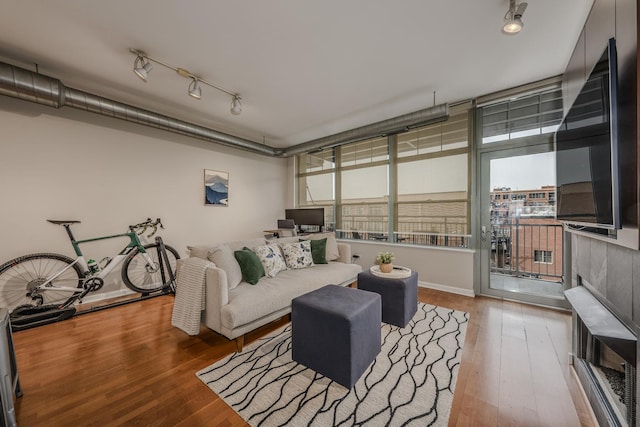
point(128, 366)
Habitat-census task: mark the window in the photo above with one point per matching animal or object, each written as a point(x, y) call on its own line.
point(437, 138)
point(544, 257)
point(430, 175)
point(433, 178)
point(316, 183)
point(527, 115)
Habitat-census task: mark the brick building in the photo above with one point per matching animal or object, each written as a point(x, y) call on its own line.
point(526, 240)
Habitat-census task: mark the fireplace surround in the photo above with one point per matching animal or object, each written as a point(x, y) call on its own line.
point(604, 358)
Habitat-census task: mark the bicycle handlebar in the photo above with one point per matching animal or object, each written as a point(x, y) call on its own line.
point(149, 223)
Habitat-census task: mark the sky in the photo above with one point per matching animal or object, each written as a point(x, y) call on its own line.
point(524, 172)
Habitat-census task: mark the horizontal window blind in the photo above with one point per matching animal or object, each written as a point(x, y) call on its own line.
point(448, 135)
point(364, 152)
point(324, 160)
point(533, 114)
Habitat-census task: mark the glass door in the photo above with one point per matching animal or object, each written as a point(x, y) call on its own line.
point(521, 242)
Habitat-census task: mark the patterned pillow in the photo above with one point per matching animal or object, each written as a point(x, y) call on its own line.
point(298, 255)
point(271, 259)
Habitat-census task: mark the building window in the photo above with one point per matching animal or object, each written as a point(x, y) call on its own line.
point(544, 257)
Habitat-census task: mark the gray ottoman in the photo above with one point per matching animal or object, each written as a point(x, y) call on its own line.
point(336, 332)
point(399, 296)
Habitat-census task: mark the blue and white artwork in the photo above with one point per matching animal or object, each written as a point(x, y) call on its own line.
point(216, 188)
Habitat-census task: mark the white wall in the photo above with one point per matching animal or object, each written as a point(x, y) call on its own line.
point(447, 269)
point(70, 164)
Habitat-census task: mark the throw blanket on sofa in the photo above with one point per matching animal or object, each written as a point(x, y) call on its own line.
point(189, 300)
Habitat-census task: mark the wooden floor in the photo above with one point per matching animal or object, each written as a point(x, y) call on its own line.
point(128, 366)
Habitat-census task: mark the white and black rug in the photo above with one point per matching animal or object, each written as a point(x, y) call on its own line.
point(411, 382)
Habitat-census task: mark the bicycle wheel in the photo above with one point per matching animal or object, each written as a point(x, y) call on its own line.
point(21, 277)
point(143, 277)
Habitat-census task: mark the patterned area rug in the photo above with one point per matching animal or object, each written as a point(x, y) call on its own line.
point(411, 382)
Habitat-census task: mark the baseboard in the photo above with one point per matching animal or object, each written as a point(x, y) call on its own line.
point(445, 288)
point(106, 295)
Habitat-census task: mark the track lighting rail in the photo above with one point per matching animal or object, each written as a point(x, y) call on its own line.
point(142, 66)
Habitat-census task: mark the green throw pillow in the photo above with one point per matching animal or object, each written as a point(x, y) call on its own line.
point(318, 250)
point(250, 265)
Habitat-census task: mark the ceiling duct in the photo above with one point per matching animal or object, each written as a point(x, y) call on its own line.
point(437, 113)
point(30, 86)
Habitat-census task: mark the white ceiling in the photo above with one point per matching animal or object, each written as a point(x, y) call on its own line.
point(304, 69)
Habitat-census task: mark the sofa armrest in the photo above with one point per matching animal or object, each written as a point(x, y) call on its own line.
point(216, 297)
point(345, 253)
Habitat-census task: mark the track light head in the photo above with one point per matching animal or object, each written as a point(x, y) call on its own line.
point(512, 26)
point(236, 105)
point(194, 88)
point(513, 18)
point(142, 67)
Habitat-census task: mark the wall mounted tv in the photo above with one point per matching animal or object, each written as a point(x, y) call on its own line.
point(305, 217)
point(587, 168)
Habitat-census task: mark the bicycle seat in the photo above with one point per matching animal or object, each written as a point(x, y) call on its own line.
point(67, 222)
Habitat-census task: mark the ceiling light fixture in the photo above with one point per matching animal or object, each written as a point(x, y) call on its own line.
point(236, 105)
point(513, 18)
point(194, 89)
point(142, 66)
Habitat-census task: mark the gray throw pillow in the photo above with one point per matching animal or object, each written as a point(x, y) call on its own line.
point(222, 257)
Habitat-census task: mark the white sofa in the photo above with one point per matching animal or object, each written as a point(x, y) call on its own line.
point(233, 309)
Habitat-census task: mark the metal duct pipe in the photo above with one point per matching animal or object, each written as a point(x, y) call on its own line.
point(29, 86)
point(434, 114)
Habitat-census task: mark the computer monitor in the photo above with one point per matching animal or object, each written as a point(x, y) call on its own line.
point(306, 218)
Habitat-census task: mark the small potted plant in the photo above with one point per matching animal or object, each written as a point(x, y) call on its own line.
point(385, 261)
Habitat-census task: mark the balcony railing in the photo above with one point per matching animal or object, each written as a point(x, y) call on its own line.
point(531, 250)
point(409, 238)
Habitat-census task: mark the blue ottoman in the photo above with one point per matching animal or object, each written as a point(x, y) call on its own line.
point(336, 332)
point(399, 296)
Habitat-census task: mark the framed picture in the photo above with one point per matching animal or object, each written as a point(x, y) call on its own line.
point(216, 188)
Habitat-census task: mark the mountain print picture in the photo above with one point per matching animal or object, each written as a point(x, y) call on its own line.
point(216, 188)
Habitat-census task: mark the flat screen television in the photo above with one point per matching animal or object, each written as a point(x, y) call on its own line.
point(586, 142)
point(306, 216)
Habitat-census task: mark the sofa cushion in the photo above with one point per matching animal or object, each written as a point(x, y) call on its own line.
point(222, 257)
point(250, 265)
point(271, 259)
point(298, 255)
point(201, 251)
point(319, 251)
point(248, 303)
point(332, 244)
point(251, 243)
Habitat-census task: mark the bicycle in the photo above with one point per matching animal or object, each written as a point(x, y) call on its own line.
point(57, 281)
